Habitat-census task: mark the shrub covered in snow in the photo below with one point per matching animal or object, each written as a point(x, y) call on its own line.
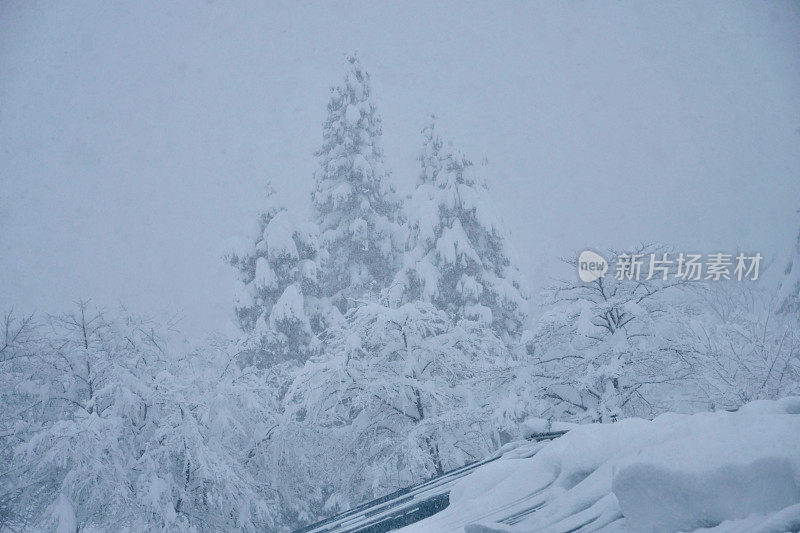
point(608, 349)
point(112, 431)
point(400, 395)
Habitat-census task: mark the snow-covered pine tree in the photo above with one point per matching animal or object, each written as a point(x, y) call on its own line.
point(457, 254)
point(355, 204)
point(276, 303)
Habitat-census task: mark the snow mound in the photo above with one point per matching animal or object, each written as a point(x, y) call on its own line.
point(532, 426)
point(720, 472)
point(749, 464)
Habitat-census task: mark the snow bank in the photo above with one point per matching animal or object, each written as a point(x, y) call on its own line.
point(730, 467)
point(725, 472)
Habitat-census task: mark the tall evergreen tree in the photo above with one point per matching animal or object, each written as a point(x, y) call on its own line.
point(276, 304)
point(457, 254)
point(355, 204)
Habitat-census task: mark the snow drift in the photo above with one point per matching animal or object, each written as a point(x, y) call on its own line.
point(720, 472)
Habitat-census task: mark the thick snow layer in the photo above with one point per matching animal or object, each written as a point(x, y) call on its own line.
point(533, 426)
point(279, 238)
point(265, 276)
point(289, 307)
point(64, 516)
point(352, 114)
point(720, 472)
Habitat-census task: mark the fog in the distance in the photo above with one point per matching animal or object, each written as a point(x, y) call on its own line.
point(135, 141)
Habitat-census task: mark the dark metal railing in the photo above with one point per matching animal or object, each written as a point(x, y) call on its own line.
point(407, 505)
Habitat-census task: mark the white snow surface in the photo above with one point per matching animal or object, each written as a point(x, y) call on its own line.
point(721, 472)
point(288, 307)
point(278, 236)
point(64, 516)
point(352, 114)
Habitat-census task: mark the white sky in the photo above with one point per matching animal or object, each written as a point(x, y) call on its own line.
point(135, 139)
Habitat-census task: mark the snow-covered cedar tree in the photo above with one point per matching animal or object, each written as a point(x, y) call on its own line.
point(748, 350)
point(355, 204)
point(790, 285)
point(458, 253)
point(610, 348)
point(118, 434)
point(277, 303)
point(401, 395)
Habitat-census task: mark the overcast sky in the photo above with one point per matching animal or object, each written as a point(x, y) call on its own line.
point(136, 139)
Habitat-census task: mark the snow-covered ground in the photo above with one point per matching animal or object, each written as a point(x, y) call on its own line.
point(712, 472)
